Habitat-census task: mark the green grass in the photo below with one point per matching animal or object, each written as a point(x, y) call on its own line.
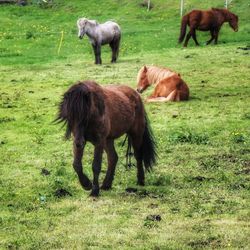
point(200, 185)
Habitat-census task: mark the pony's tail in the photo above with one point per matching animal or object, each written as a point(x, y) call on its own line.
point(148, 148)
point(184, 23)
point(74, 108)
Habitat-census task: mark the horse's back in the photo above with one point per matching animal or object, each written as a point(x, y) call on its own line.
point(109, 31)
point(111, 25)
point(122, 92)
point(171, 84)
point(123, 106)
point(202, 19)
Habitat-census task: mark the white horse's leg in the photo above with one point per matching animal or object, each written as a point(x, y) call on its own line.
point(97, 51)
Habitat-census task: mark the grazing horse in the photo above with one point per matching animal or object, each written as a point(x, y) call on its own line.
point(100, 34)
point(209, 20)
point(169, 85)
point(100, 115)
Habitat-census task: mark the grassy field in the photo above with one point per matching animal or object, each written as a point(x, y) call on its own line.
point(200, 185)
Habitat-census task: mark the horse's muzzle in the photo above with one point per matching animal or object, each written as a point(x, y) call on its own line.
point(236, 30)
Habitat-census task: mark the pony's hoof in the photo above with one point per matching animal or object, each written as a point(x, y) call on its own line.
point(87, 186)
point(94, 193)
point(141, 183)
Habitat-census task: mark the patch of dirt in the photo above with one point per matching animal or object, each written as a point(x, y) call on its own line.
point(2, 142)
point(238, 185)
point(131, 190)
point(204, 81)
point(201, 178)
point(244, 48)
point(45, 171)
point(6, 119)
point(214, 161)
point(142, 193)
point(154, 217)
point(243, 171)
point(212, 242)
point(61, 192)
point(153, 205)
point(245, 150)
point(175, 115)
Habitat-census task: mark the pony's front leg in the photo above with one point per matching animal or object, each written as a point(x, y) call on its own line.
point(216, 36)
point(97, 51)
point(212, 37)
point(77, 164)
point(187, 39)
point(96, 167)
point(112, 161)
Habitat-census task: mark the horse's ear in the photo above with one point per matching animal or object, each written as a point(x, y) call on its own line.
point(82, 21)
point(145, 69)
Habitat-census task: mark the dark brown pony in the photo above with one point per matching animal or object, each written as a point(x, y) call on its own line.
point(209, 20)
point(100, 115)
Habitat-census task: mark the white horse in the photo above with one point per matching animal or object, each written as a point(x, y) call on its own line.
point(100, 34)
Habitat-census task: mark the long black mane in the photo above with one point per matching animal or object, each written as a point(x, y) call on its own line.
point(74, 108)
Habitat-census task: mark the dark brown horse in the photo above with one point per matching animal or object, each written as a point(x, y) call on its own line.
point(209, 20)
point(100, 115)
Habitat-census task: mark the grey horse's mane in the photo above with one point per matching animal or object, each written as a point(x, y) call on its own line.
point(84, 19)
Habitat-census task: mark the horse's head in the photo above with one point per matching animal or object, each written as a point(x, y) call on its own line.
point(233, 21)
point(81, 25)
point(142, 81)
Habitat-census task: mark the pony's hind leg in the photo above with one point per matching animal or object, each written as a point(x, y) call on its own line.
point(77, 164)
point(115, 49)
point(96, 167)
point(136, 143)
point(112, 161)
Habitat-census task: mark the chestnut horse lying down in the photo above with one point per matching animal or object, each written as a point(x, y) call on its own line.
point(100, 115)
point(209, 20)
point(169, 85)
